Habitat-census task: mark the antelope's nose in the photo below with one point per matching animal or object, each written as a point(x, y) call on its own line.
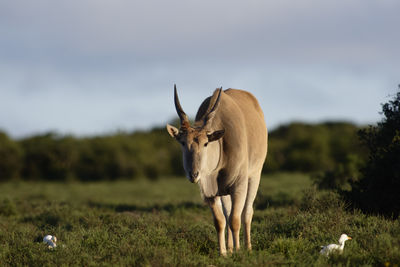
point(193, 175)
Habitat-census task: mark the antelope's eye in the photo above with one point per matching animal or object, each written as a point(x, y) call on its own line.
point(205, 144)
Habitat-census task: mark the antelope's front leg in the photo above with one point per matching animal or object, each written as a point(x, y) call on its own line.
point(227, 207)
point(219, 222)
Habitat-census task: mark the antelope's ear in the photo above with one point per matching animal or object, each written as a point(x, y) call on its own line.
point(214, 136)
point(173, 131)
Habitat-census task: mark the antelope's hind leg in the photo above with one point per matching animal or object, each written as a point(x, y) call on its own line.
point(238, 197)
point(248, 211)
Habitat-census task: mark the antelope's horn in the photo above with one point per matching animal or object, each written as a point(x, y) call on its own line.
point(182, 115)
point(216, 99)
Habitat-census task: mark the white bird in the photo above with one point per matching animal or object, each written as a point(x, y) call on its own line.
point(50, 240)
point(328, 249)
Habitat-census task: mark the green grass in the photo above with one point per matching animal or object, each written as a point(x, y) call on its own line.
point(165, 223)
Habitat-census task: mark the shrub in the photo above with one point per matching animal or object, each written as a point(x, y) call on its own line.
point(341, 177)
point(378, 190)
point(49, 157)
point(10, 158)
point(311, 147)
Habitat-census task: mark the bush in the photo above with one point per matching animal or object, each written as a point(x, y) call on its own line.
point(311, 148)
point(378, 190)
point(49, 157)
point(10, 158)
point(153, 154)
point(342, 176)
point(107, 158)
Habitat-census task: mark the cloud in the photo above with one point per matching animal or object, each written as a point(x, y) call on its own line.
point(154, 31)
point(102, 65)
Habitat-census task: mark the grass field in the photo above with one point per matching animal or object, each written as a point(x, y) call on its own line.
point(164, 223)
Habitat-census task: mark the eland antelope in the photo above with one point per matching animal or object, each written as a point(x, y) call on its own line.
point(224, 152)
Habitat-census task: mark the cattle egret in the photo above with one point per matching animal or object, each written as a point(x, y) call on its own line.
point(332, 248)
point(50, 240)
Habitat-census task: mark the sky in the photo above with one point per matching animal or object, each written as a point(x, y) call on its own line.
point(96, 67)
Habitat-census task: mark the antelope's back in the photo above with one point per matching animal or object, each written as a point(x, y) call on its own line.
point(242, 118)
point(255, 127)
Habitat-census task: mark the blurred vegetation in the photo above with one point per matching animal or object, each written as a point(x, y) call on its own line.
point(10, 158)
point(296, 147)
point(312, 147)
point(122, 155)
point(293, 147)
